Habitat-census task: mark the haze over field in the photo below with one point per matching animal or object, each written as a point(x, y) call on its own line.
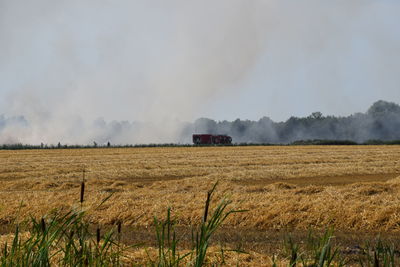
point(75, 70)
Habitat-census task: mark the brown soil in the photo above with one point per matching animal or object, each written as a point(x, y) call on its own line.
point(324, 180)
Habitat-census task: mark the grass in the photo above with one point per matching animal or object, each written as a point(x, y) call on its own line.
point(62, 240)
point(65, 239)
point(320, 251)
point(315, 251)
point(380, 253)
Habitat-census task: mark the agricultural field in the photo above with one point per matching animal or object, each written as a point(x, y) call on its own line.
point(288, 189)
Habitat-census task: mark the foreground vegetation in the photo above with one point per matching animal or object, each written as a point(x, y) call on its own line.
point(64, 239)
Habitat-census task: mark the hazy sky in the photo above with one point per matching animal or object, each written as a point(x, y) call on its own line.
point(157, 60)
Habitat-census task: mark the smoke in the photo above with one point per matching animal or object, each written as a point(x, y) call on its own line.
point(334, 56)
point(134, 71)
point(66, 63)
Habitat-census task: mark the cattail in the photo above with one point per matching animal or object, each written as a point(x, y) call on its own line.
point(376, 260)
point(119, 231)
point(83, 188)
point(43, 225)
point(98, 235)
point(206, 207)
point(71, 234)
point(82, 192)
point(119, 227)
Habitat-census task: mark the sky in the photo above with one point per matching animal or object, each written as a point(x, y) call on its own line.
point(69, 62)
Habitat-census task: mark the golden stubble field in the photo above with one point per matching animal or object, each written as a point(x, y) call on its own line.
point(350, 187)
point(353, 188)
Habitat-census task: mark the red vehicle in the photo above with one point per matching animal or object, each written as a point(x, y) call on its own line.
point(209, 139)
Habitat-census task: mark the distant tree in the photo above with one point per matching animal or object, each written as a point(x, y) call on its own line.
point(239, 127)
point(382, 108)
point(316, 115)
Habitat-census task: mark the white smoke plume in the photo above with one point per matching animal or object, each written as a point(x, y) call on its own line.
point(73, 67)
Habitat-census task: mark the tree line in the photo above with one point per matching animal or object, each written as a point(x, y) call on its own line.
point(379, 124)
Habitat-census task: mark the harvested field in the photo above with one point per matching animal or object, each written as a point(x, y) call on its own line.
point(356, 189)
